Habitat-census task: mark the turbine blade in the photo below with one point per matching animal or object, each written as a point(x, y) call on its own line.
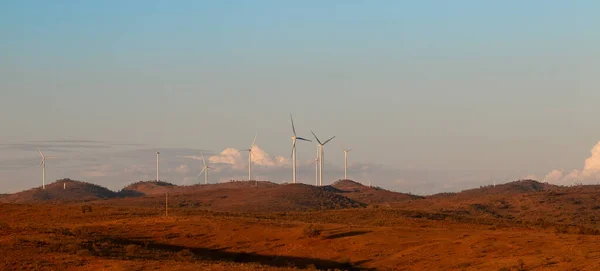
point(41, 162)
point(203, 161)
point(253, 141)
point(300, 138)
point(329, 140)
point(316, 137)
point(201, 171)
point(41, 153)
point(293, 128)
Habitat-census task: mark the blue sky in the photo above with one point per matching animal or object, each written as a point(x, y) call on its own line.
point(460, 92)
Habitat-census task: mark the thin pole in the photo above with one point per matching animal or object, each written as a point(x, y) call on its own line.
point(44, 175)
point(167, 204)
point(205, 175)
point(157, 153)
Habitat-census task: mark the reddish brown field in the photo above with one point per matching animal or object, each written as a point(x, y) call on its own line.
point(513, 230)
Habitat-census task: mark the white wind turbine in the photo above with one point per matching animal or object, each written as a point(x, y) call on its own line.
point(43, 165)
point(157, 154)
point(294, 138)
point(204, 169)
point(321, 156)
point(250, 160)
point(346, 151)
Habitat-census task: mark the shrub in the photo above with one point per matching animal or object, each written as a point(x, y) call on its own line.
point(132, 250)
point(312, 231)
point(561, 229)
point(81, 231)
point(4, 226)
point(185, 255)
point(521, 265)
point(83, 252)
point(72, 248)
point(86, 209)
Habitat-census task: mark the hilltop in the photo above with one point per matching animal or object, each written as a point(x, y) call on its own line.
point(264, 198)
point(369, 194)
point(73, 191)
point(150, 188)
point(510, 188)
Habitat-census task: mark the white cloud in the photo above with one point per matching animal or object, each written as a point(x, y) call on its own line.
point(589, 174)
point(181, 169)
point(234, 157)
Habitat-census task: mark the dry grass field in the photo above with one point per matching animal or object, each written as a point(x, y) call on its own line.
point(522, 225)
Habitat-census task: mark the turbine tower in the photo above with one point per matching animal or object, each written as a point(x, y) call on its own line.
point(346, 151)
point(317, 168)
point(321, 156)
point(250, 159)
point(43, 165)
point(157, 154)
point(204, 169)
point(294, 138)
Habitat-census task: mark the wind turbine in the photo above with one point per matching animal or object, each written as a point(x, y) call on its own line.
point(204, 169)
point(322, 156)
point(157, 154)
point(346, 151)
point(43, 165)
point(250, 159)
point(294, 138)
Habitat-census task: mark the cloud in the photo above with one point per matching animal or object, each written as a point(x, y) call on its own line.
point(261, 158)
point(589, 174)
point(97, 171)
point(181, 169)
point(234, 157)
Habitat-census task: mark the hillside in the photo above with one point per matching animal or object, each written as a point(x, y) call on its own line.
point(64, 190)
point(511, 188)
point(266, 198)
point(160, 188)
point(370, 195)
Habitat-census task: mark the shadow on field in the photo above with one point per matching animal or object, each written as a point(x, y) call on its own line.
point(227, 256)
point(346, 234)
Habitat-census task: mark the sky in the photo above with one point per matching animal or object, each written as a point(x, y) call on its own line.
point(432, 96)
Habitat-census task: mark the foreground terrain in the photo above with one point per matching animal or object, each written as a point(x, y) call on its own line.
point(521, 226)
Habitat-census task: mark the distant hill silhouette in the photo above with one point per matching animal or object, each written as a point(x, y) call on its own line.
point(54, 192)
point(368, 194)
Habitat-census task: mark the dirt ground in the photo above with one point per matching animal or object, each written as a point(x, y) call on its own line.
point(63, 237)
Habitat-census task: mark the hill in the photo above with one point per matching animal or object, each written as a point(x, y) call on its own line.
point(511, 188)
point(264, 198)
point(369, 194)
point(150, 188)
point(64, 190)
